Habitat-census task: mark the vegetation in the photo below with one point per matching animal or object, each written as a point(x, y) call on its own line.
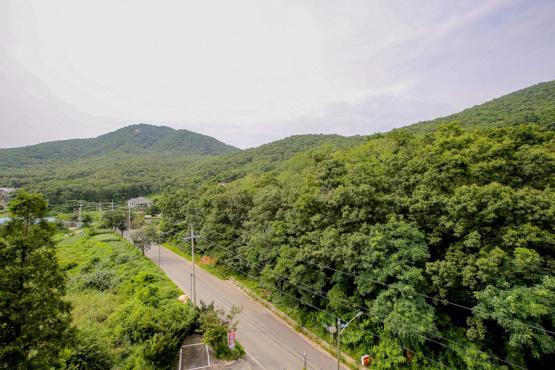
point(215, 324)
point(534, 104)
point(442, 238)
point(34, 318)
point(441, 234)
point(134, 139)
point(124, 307)
point(119, 173)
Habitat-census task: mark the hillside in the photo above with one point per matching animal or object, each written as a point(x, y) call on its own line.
point(134, 139)
point(269, 156)
point(534, 104)
point(142, 159)
point(437, 239)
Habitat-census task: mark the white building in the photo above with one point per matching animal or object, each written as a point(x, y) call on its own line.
point(5, 194)
point(140, 202)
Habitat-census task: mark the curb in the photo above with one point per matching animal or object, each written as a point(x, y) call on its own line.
point(321, 344)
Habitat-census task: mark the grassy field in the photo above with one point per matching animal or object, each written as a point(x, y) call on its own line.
point(125, 309)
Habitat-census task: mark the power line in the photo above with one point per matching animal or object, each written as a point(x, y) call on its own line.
point(272, 336)
point(354, 305)
point(395, 287)
point(322, 310)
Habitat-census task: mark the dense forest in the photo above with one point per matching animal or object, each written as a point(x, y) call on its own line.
point(445, 241)
point(144, 159)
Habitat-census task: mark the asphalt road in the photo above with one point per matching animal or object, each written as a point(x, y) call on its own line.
point(269, 341)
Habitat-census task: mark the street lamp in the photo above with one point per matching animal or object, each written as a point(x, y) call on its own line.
point(340, 329)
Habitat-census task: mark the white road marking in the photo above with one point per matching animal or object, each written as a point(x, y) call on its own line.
point(255, 360)
point(208, 355)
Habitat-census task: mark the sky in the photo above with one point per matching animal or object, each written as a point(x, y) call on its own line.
point(250, 72)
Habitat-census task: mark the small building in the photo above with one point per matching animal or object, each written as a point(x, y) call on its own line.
point(140, 203)
point(5, 195)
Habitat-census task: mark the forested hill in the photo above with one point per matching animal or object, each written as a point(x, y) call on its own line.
point(143, 159)
point(134, 139)
point(269, 156)
point(534, 104)
point(445, 242)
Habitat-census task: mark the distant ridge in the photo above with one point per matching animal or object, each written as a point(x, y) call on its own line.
point(534, 104)
point(134, 139)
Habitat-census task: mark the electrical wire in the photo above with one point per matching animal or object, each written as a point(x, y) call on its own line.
point(395, 287)
point(367, 312)
point(243, 272)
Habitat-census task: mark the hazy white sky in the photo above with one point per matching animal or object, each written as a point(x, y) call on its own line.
point(248, 72)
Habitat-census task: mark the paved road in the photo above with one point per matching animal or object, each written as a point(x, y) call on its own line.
point(267, 339)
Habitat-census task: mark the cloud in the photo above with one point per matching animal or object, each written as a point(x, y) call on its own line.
point(248, 72)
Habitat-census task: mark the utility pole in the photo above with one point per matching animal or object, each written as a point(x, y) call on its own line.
point(340, 328)
point(338, 343)
point(129, 221)
point(79, 223)
point(193, 275)
point(100, 208)
point(112, 205)
point(192, 287)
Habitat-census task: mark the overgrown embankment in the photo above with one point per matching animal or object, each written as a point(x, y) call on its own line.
point(125, 309)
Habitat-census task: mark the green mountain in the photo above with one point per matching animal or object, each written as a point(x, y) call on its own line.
point(269, 156)
point(142, 159)
point(534, 104)
point(134, 139)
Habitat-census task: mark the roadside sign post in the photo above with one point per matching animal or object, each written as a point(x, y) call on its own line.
point(231, 340)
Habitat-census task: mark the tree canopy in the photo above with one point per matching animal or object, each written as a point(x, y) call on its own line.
point(444, 238)
point(34, 318)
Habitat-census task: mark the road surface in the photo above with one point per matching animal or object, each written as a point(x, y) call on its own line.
point(270, 342)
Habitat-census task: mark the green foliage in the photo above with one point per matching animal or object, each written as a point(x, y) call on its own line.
point(116, 219)
point(534, 104)
point(214, 325)
point(88, 352)
point(463, 216)
point(126, 311)
point(140, 160)
point(34, 318)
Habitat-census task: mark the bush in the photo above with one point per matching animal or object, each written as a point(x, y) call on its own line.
point(91, 264)
point(68, 266)
point(88, 352)
point(100, 279)
point(215, 324)
point(159, 331)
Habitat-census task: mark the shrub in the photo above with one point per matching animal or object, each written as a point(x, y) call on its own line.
point(88, 352)
point(215, 324)
point(68, 266)
point(158, 331)
point(100, 279)
point(91, 264)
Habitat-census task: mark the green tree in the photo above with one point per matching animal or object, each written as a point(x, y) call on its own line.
point(141, 240)
point(116, 219)
point(34, 318)
point(215, 324)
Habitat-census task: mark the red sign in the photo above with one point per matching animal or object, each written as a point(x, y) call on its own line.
point(231, 340)
point(366, 360)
